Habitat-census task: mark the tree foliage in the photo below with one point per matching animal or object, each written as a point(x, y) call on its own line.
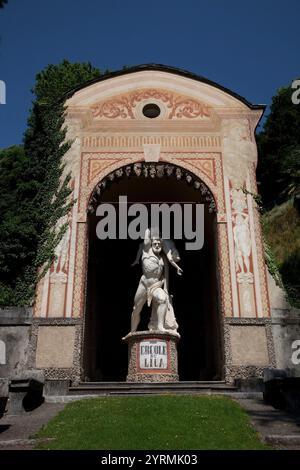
point(33, 197)
point(279, 150)
point(17, 234)
point(290, 172)
point(279, 175)
point(2, 3)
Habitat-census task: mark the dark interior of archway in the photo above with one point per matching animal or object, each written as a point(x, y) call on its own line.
point(112, 282)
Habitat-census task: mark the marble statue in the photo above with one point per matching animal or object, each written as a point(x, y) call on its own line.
point(153, 287)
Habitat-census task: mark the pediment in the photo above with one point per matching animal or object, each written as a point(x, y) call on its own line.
point(119, 85)
point(182, 101)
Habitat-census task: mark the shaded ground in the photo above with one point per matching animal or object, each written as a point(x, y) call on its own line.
point(277, 427)
point(16, 430)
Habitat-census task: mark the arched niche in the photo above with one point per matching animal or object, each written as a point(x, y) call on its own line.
point(112, 282)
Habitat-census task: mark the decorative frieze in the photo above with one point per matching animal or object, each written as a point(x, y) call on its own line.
point(137, 141)
point(176, 106)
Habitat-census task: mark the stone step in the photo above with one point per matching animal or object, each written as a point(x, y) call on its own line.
point(155, 384)
point(76, 396)
point(123, 388)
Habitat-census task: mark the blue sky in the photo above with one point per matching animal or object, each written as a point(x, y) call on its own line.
point(251, 47)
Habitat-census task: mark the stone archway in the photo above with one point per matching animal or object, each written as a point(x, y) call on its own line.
point(109, 300)
point(208, 133)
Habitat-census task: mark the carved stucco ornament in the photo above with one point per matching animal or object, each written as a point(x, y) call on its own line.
point(152, 170)
point(239, 151)
point(151, 152)
point(177, 106)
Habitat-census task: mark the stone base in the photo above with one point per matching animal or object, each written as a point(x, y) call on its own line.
point(56, 387)
point(24, 395)
point(152, 357)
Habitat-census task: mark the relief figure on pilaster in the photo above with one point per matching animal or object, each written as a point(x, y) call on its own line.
point(60, 264)
point(241, 236)
point(242, 241)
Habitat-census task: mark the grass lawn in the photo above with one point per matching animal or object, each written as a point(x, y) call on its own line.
point(150, 423)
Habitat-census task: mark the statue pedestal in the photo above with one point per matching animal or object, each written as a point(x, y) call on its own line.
point(152, 357)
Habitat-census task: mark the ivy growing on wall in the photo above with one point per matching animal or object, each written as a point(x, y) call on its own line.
point(33, 195)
